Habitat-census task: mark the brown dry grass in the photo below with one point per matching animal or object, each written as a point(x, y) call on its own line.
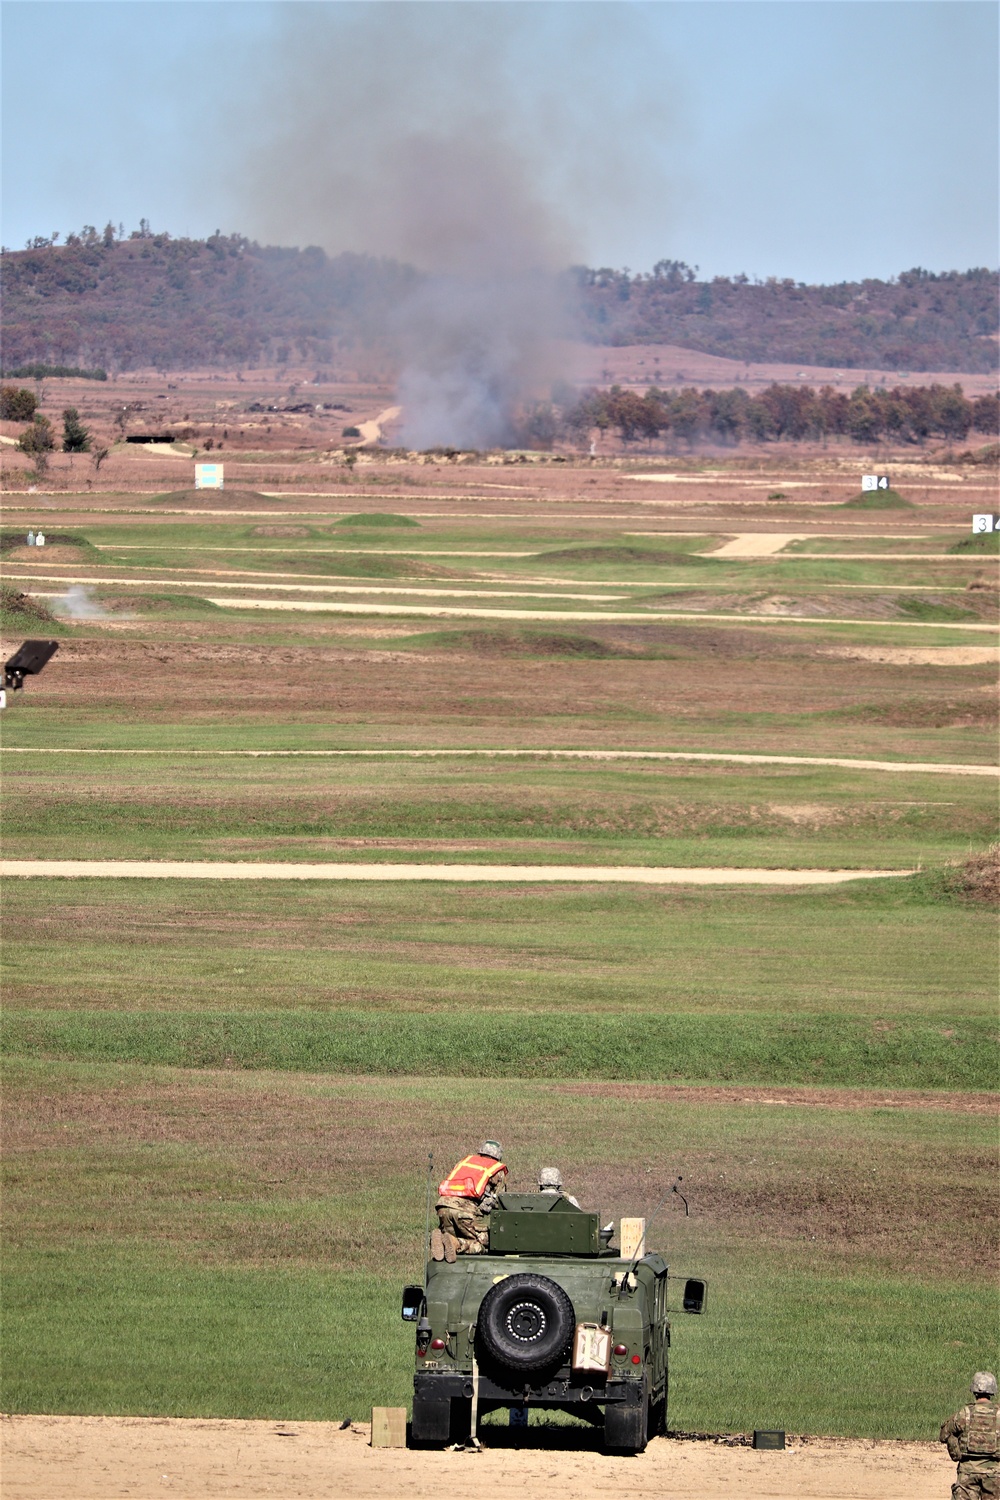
point(166, 1155)
point(728, 679)
point(978, 878)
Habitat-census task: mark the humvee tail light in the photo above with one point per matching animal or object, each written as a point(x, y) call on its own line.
point(620, 1350)
point(437, 1343)
point(637, 1359)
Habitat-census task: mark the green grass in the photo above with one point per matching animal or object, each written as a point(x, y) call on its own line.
point(381, 518)
point(987, 542)
point(205, 1083)
point(114, 1330)
point(621, 554)
point(331, 812)
point(880, 951)
point(21, 615)
point(921, 608)
point(108, 1330)
point(878, 500)
point(233, 1245)
point(761, 1048)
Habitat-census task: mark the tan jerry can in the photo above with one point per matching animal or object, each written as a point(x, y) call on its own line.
point(592, 1348)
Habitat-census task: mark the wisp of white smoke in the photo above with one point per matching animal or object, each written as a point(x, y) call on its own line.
point(78, 603)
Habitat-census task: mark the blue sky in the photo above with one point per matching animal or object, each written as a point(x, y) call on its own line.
point(822, 141)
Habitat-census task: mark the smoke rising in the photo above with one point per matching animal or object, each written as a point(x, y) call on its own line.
point(473, 141)
point(78, 603)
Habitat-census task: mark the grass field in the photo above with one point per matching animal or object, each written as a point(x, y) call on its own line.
point(204, 1082)
point(511, 811)
point(241, 1238)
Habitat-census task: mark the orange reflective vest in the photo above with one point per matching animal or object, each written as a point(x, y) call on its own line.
point(471, 1177)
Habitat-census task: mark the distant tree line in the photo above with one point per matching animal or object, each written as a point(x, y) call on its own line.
point(904, 414)
point(118, 301)
point(63, 372)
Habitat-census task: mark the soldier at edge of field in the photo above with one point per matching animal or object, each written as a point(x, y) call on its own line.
point(973, 1438)
point(467, 1197)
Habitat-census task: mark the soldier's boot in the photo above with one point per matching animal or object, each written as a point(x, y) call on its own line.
point(449, 1246)
point(437, 1245)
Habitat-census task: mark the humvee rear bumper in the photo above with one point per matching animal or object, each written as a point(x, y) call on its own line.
point(444, 1385)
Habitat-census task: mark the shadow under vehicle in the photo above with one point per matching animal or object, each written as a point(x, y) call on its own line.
point(550, 1317)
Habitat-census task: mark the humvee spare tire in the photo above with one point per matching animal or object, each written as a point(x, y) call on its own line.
point(526, 1322)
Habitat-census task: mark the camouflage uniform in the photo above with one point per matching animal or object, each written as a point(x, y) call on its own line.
point(467, 1221)
point(973, 1438)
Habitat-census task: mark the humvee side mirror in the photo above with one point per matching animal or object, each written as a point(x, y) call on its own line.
point(413, 1303)
point(695, 1296)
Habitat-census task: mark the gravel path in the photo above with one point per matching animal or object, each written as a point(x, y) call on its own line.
point(150, 869)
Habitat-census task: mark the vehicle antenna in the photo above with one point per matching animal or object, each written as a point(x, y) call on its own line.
point(673, 1188)
point(430, 1179)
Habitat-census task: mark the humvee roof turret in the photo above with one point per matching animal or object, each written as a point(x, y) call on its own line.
point(549, 1317)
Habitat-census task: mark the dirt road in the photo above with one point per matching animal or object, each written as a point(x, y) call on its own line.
point(301, 586)
point(608, 617)
point(149, 869)
point(921, 767)
point(110, 1458)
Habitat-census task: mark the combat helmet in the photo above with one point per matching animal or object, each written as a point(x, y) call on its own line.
point(984, 1383)
point(550, 1177)
point(492, 1148)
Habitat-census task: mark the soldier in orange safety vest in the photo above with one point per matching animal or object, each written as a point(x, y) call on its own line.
point(467, 1198)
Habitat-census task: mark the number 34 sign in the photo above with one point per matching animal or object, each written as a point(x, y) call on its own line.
point(874, 481)
point(986, 523)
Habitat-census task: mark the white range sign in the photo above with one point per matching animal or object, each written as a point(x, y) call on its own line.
point(208, 476)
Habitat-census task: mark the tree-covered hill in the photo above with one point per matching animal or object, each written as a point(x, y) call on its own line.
point(919, 321)
point(103, 300)
point(179, 303)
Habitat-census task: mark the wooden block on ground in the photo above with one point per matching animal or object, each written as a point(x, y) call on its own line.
point(632, 1236)
point(388, 1426)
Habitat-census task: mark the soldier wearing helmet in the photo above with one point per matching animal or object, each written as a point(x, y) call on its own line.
point(973, 1438)
point(467, 1197)
point(550, 1181)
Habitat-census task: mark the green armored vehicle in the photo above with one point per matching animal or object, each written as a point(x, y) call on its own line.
point(549, 1317)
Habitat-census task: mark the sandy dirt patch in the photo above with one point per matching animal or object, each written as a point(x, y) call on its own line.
point(109, 1458)
point(128, 869)
point(910, 656)
point(757, 544)
point(371, 432)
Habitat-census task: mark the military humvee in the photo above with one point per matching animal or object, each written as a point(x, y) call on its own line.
point(552, 1317)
